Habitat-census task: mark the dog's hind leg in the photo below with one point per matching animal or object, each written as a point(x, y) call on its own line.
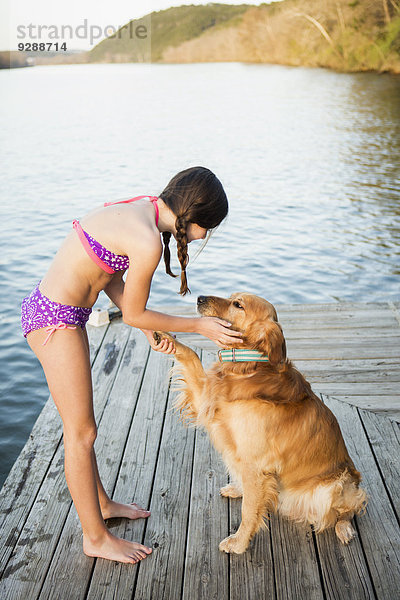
point(352, 500)
point(260, 495)
point(344, 530)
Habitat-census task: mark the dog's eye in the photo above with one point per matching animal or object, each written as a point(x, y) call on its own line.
point(237, 304)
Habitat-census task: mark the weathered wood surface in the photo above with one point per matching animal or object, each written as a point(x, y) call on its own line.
point(145, 454)
point(378, 529)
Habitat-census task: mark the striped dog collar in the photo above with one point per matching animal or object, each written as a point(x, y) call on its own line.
point(241, 355)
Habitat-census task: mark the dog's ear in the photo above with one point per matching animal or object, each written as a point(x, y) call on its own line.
point(267, 337)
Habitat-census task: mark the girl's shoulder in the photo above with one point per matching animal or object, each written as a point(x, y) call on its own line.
point(141, 236)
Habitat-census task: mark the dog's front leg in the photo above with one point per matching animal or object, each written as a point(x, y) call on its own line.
point(259, 496)
point(191, 372)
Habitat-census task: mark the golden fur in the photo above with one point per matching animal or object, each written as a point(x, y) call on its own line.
point(282, 446)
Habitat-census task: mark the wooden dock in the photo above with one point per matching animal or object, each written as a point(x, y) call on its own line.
point(351, 355)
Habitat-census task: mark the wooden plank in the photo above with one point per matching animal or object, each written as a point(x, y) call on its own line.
point(360, 389)
point(23, 482)
point(367, 335)
point(345, 350)
point(161, 575)
point(348, 343)
point(357, 319)
point(383, 435)
point(378, 528)
point(322, 319)
point(295, 560)
point(252, 573)
point(135, 479)
point(333, 307)
point(206, 575)
point(386, 364)
point(28, 564)
point(113, 430)
point(96, 336)
point(374, 371)
point(344, 568)
point(375, 379)
point(345, 572)
point(395, 308)
point(383, 405)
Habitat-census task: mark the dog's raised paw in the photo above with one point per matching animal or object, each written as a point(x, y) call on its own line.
point(157, 335)
point(345, 532)
point(232, 545)
point(162, 335)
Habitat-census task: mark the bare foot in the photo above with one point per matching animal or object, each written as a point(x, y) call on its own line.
point(115, 548)
point(130, 511)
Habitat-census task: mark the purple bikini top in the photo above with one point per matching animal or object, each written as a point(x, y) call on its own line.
point(106, 260)
point(117, 262)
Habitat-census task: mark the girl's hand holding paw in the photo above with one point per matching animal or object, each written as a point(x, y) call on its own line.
point(164, 346)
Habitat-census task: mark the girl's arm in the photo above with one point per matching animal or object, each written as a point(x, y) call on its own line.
point(135, 294)
point(115, 289)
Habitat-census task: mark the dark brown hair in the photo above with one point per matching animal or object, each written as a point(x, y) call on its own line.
point(194, 195)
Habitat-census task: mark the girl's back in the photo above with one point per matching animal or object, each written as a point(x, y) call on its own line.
point(73, 277)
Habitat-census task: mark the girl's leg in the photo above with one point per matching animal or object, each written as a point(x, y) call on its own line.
point(65, 361)
point(109, 508)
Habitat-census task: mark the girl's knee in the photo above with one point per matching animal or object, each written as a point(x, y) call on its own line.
point(80, 438)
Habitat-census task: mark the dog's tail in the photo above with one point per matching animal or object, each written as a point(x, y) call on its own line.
point(326, 503)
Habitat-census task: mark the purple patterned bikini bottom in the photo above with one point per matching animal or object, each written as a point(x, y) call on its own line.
point(37, 312)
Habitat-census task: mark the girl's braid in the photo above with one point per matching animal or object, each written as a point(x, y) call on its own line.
point(181, 225)
point(167, 254)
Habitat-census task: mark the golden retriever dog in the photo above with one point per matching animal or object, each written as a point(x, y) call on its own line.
point(282, 446)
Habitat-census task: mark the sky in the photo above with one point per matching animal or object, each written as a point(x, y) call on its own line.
point(17, 15)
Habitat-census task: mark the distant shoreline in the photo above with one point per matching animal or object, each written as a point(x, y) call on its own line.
point(342, 35)
point(47, 63)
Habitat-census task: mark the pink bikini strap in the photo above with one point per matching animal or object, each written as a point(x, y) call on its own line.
point(89, 250)
point(53, 328)
point(153, 200)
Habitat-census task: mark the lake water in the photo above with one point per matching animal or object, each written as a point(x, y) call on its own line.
point(309, 160)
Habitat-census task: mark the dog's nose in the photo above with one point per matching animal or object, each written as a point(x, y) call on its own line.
point(201, 300)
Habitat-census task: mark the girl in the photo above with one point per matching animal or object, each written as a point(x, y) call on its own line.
point(54, 317)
